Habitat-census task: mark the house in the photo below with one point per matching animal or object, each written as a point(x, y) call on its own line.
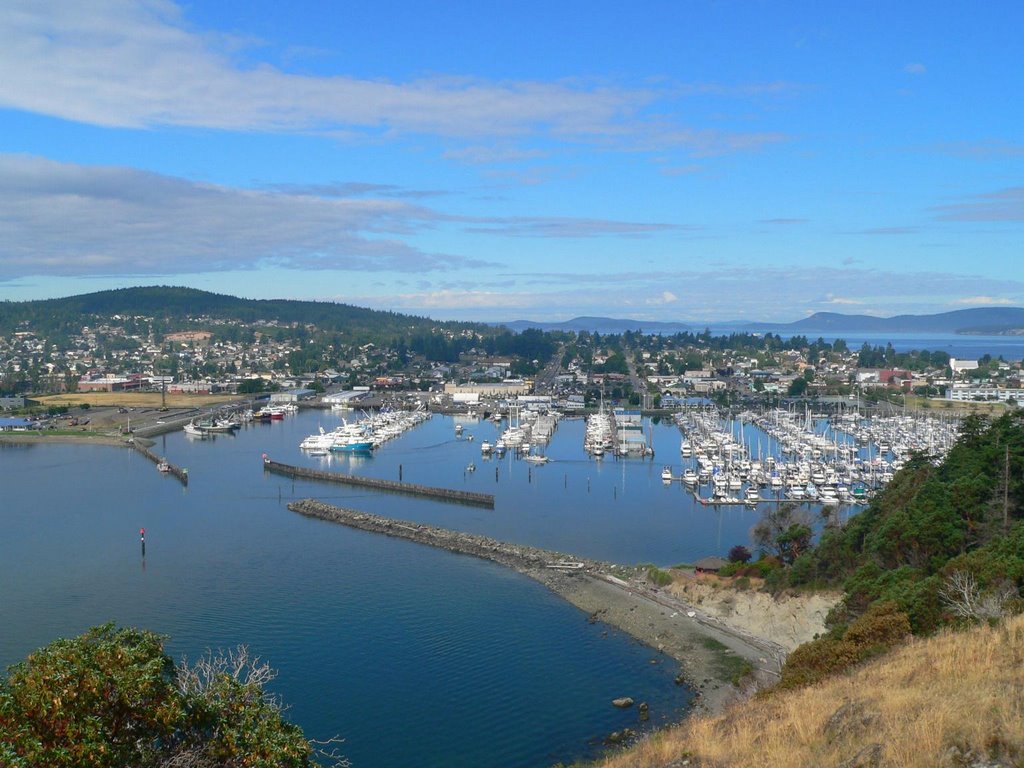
point(9, 425)
point(710, 564)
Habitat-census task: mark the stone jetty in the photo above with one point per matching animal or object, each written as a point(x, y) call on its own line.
point(541, 563)
point(661, 621)
point(178, 472)
point(411, 489)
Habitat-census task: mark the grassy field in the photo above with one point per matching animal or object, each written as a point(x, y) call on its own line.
point(134, 400)
point(941, 701)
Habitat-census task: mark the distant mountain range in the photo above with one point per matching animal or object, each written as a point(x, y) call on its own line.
point(994, 321)
point(162, 301)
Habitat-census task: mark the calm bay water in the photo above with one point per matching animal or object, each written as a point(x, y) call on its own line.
point(414, 656)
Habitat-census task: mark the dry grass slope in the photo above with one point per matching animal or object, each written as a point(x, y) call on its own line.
point(951, 700)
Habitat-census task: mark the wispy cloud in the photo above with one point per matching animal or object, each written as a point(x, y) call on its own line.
point(483, 155)
point(682, 170)
point(889, 231)
point(765, 295)
point(784, 221)
point(67, 219)
point(353, 189)
point(985, 301)
point(568, 227)
point(755, 293)
point(984, 149)
point(1002, 205)
point(666, 297)
point(830, 299)
point(141, 65)
point(915, 68)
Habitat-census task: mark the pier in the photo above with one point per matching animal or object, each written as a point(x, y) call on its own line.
point(178, 472)
point(411, 489)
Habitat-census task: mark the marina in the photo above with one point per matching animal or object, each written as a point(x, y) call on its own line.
point(219, 552)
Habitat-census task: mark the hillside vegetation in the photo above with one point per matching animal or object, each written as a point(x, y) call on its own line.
point(173, 305)
point(956, 699)
point(963, 516)
point(896, 681)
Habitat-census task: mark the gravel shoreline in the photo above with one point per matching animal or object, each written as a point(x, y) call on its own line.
point(707, 649)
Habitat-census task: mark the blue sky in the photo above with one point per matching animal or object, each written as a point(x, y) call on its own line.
point(692, 161)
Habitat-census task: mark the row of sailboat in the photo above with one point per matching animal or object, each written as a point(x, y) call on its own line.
point(818, 460)
point(526, 432)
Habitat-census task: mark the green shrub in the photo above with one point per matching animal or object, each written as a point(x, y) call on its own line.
point(658, 577)
point(113, 698)
point(881, 627)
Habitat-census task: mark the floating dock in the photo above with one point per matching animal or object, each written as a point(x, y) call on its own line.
point(410, 489)
point(178, 472)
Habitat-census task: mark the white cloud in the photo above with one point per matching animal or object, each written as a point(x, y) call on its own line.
point(559, 227)
point(666, 297)
point(482, 155)
point(140, 65)
point(915, 68)
point(67, 219)
point(1002, 205)
point(984, 301)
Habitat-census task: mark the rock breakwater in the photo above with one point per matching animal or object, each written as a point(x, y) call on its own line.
point(708, 651)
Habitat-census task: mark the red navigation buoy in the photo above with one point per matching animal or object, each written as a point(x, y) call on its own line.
point(142, 532)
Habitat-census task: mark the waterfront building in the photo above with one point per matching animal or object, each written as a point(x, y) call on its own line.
point(967, 393)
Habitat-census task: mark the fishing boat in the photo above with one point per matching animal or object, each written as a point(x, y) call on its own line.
point(666, 473)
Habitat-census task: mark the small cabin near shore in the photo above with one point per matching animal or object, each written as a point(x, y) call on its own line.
point(710, 564)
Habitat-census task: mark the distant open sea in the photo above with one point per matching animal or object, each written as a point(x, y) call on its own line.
point(956, 345)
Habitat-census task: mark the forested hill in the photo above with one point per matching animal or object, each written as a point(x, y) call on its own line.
point(174, 305)
point(965, 516)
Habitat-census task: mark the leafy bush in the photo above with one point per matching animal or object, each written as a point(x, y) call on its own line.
point(739, 554)
point(882, 627)
point(112, 698)
point(659, 577)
